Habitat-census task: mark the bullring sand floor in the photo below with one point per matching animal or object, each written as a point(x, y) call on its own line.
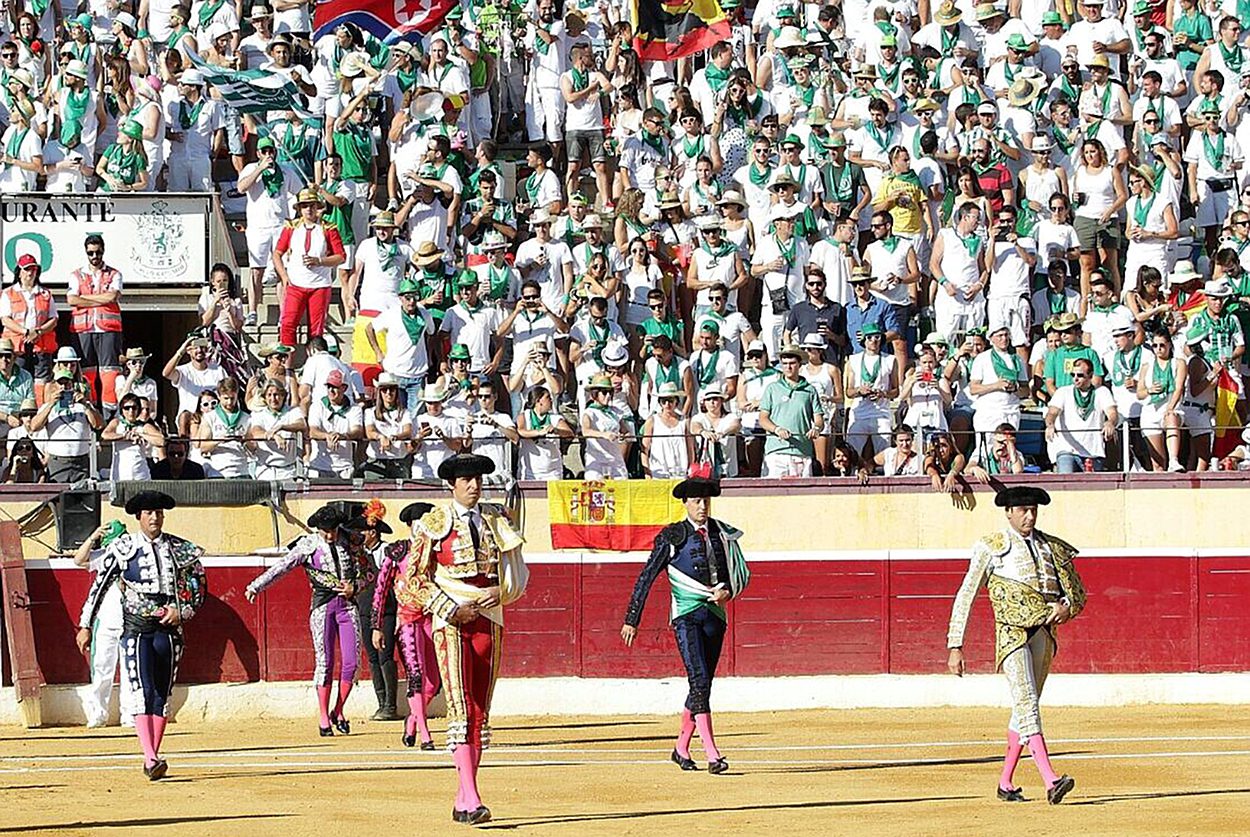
point(1139, 770)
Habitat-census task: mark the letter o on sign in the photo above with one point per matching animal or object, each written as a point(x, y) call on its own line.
point(37, 242)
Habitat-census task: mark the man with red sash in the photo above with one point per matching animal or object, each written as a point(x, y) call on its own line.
point(94, 294)
point(468, 567)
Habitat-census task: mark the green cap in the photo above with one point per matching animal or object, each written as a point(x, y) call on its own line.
point(1018, 42)
point(265, 142)
point(1209, 107)
point(1141, 7)
point(870, 328)
point(408, 286)
point(792, 139)
point(466, 279)
point(458, 352)
point(785, 11)
point(710, 327)
point(1052, 19)
point(455, 12)
point(888, 41)
point(114, 531)
point(836, 141)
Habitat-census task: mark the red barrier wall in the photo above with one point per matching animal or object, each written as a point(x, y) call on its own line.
point(1145, 614)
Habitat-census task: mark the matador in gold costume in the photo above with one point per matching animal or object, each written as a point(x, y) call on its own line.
point(467, 567)
point(1033, 589)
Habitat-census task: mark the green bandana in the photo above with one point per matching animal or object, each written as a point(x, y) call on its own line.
point(890, 243)
point(692, 150)
point(760, 178)
point(414, 325)
point(716, 77)
point(972, 243)
point(335, 411)
point(1084, 402)
point(1125, 365)
point(125, 165)
point(13, 148)
point(1165, 377)
point(207, 10)
point(1214, 151)
point(1233, 58)
point(1140, 210)
point(176, 36)
point(1013, 371)
point(188, 118)
point(72, 117)
point(705, 368)
point(655, 141)
point(273, 179)
point(865, 378)
point(230, 420)
point(581, 80)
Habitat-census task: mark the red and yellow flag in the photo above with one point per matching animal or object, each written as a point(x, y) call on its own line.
point(669, 29)
point(1227, 426)
point(614, 515)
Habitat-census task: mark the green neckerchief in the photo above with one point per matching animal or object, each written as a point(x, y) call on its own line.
point(707, 368)
point(787, 253)
point(540, 44)
point(230, 420)
point(760, 178)
point(1125, 365)
point(1091, 130)
point(1140, 210)
point(972, 244)
point(177, 35)
point(273, 179)
point(581, 80)
point(532, 183)
point(655, 141)
point(1214, 151)
point(407, 79)
point(667, 374)
point(972, 95)
point(38, 7)
point(882, 141)
point(799, 174)
point(716, 77)
point(1013, 371)
point(1009, 73)
point(72, 117)
point(207, 10)
point(111, 105)
point(414, 324)
point(890, 243)
point(807, 95)
point(752, 109)
point(888, 77)
point(714, 186)
point(786, 76)
point(188, 118)
point(1154, 106)
point(1233, 58)
point(692, 150)
point(949, 40)
point(1084, 402)
point(1165, 377)
point(910, 178)
point(387, 255)
point(866, 379)
point(535, 421)
point(839, 182)
point(293, 144)
point(333, 409)
point(123, 165)
point(13, 148)
point(355, 146)
point(725, 249)
point(1105, 99)
point(499, 280)
point(750, 375)
point(441, 73)
point(598, 336)
point(1061, 139)
point(339, 216)
point(1058, 301)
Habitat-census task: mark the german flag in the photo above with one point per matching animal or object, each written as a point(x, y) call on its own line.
point(613, 515)
point(668, 29)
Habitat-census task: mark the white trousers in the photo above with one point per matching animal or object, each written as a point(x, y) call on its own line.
point(190, 174)
point(106, 651)
point(1026, 669)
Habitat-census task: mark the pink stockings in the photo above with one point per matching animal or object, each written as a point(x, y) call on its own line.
point(1037, 748)
point(703, 723)
point(323, 701)
point(467, 758)
point(151, 731)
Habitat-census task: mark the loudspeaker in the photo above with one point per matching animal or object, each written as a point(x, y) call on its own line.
point(77, 516)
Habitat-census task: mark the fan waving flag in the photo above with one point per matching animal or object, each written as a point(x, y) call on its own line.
point(1227, 425)
point(254, 91)
point(668, 29)
point(614, 515)
point(389, 20)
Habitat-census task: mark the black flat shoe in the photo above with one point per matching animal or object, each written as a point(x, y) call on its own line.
point(1013, 795)
point(684, 762)
point(479, 816)
point(158, 770)
point(341, 724)
point(1060, 789)
point(718, 766)
point(459, 816)
point(427, 745)
point(409, 740)
point(326, 732)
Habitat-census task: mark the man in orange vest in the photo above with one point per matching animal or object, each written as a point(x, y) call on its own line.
point(94, 293)
point(28, 313)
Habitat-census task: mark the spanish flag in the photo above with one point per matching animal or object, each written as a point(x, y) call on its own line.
point(614, 515)
point(1227, 425)
point(668, 29)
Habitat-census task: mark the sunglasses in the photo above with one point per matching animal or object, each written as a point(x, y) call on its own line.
point(528, 298)
point(722, 299)
point(459, 360)
point(208, 404)
point(878, 226)
point(95, 252)
point(669, 400)
point(755, 355)
point(815, 284)
point(130, 406)
point(1079, 376)
point(656, 307)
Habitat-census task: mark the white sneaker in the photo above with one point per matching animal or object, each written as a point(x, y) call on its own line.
point(128, 721)
point(96, 723)
point(1175, 466)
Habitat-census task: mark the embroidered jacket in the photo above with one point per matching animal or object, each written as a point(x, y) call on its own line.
point(151, 575)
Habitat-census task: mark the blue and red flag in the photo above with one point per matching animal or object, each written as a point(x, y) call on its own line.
point(388, 20)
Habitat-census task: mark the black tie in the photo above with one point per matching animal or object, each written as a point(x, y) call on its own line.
point(713, 576)
point(477, 537)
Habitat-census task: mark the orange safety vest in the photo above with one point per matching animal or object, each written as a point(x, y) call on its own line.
point(46, 343)
point(101, 317)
